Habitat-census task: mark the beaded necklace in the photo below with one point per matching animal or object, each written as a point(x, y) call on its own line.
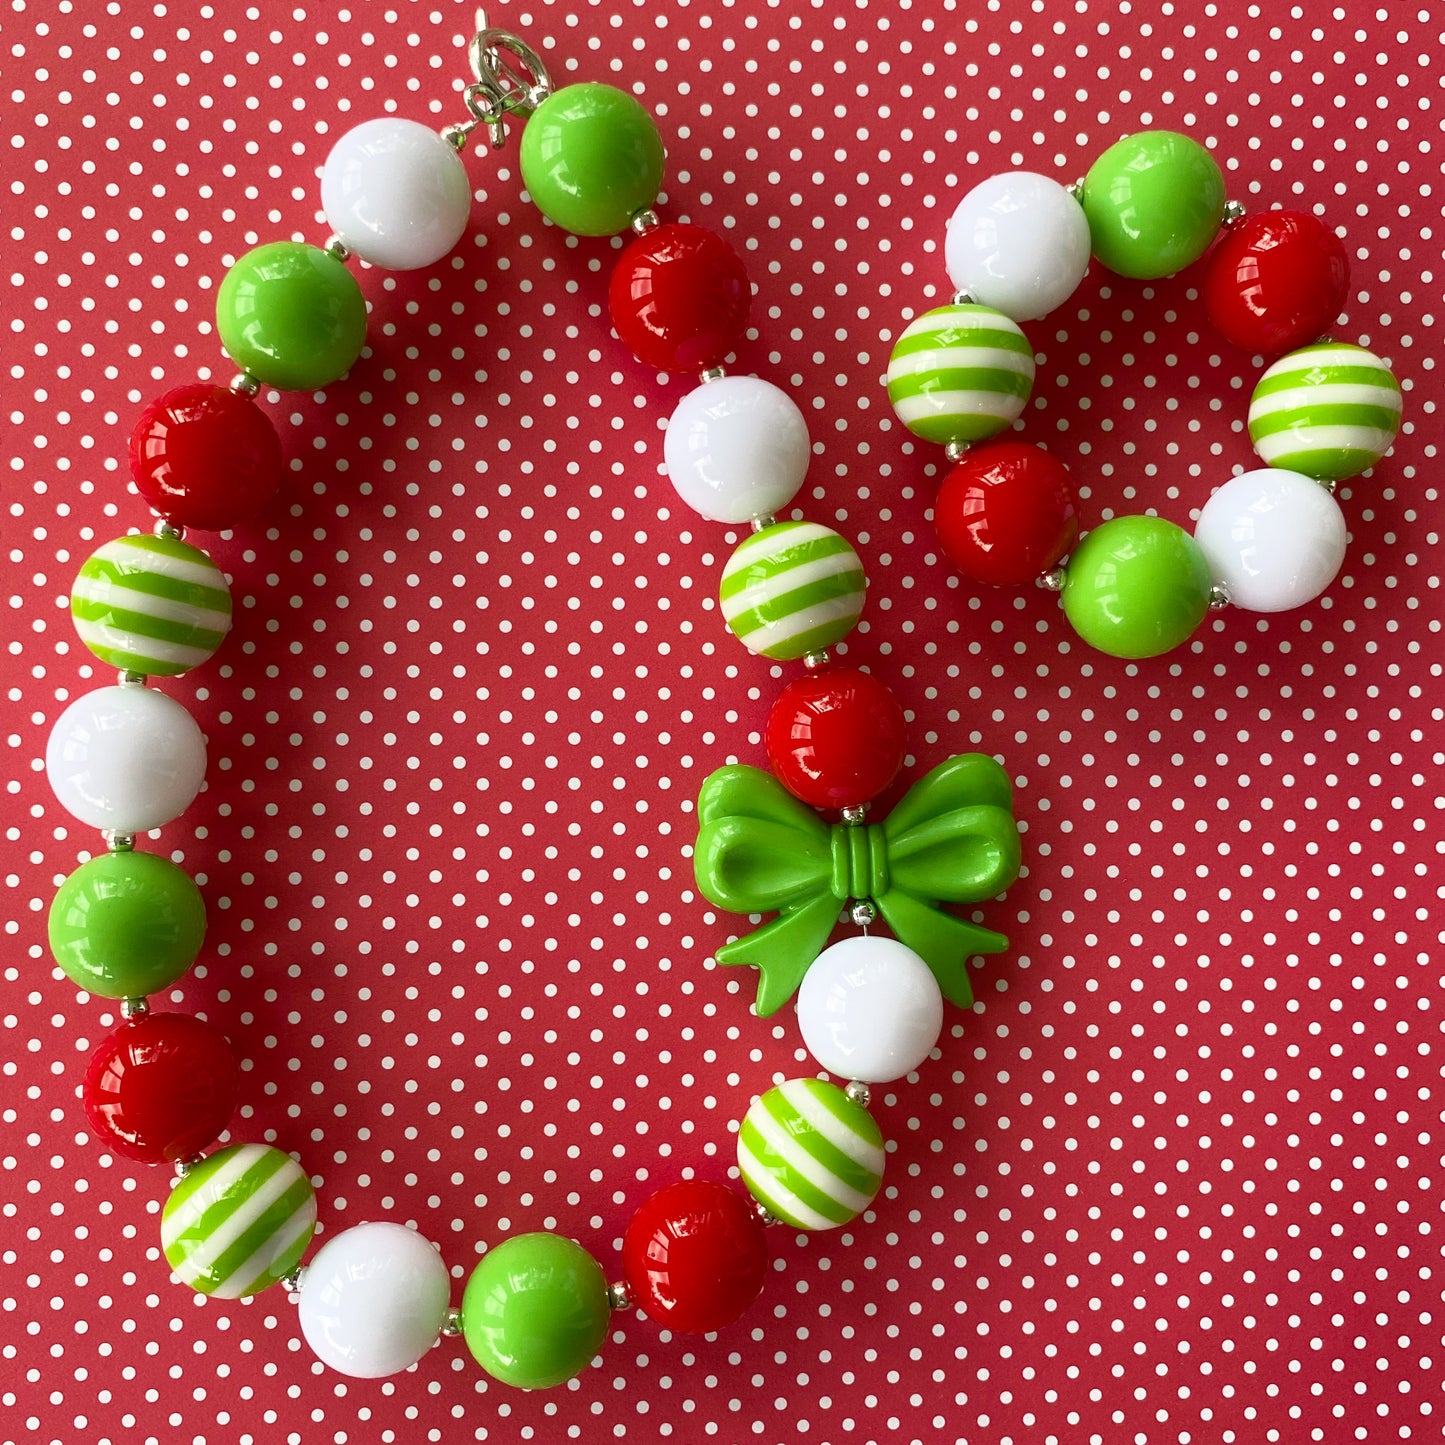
point(851, 853)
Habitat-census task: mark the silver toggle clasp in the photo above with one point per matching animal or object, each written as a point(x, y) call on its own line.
point(510, 80)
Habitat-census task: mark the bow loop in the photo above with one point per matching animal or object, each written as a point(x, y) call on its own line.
point(958, 857)
point(758, 847)
point(963, 781)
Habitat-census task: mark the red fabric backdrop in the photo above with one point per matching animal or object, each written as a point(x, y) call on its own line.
point(1175, 1178)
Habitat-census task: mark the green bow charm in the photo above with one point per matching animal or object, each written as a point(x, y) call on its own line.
point(951, 839)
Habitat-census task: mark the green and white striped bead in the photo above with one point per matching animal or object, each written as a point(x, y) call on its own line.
point(960, 373)
point(791, 589)
point(238, 1221)
point(153, 605)
point(809, 1155)
point(1328, 410)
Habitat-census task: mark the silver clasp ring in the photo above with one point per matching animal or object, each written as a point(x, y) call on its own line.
point(511, 79)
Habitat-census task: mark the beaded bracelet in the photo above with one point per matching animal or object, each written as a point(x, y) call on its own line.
point(127, 759)
point(1007, 513)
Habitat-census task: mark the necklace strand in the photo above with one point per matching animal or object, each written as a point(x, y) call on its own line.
point(537, 1307)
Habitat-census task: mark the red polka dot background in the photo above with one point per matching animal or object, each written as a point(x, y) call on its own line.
point(1177, 1175)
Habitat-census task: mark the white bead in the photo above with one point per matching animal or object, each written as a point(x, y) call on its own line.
point(870, 1009)
point(396, 194)
point(125, 758)
point(1018, 242)
point(1274, 538)
point(736, 448)
point(374, 1300)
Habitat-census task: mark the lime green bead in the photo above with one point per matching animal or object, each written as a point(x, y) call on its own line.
point(1154, 201)
point(592, 159)
point(291, 315)
point(126, 925)
point(1136, 587)
point(535, 1310)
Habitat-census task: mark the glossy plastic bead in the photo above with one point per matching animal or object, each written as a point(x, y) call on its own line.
point(1273, 539)
point(535, 1310)
point(1006, 513)
point(695, 1256)
point(679, 298)
point(791, 589)
point(1276, 281)
point(592, 158)
point(1329, 411)
point(125, 925)
point(374, 1300)
point(396, 193)
point(736, 448)
point(205, 456)
point(238, 1221)
point(153, 605)
point(1136, 587)
point(125, 758)
point(809, 1155)
point(1018, 242)
point(291, 315)
point(960, 374)
point(160, 1088)
point(835, 737)
point(870, 1009)
point(1154, 201)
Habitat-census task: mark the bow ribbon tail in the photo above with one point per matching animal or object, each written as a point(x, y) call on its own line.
point(945, 943)
point(783, 949)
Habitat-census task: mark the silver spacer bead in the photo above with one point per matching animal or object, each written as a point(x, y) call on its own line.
point(335, 246)
point(1218, 597)
point(453, 1325)
point(713, 373)
point(854, 815)
point(164, 528)
point(1331, 486)
point(863, 913)
point(758, 524)
point(1075, 188)
point(244, 384)
point(860, 1093)
point(291, 1282)
point(619, 1296)
point(1052, 580)
point(118, 842)
point(964, 298)
point(1233, 212)
point(956, 451)
point(457, 136)
point(126, 678)
point(764, 1215)
point(645, 221)
point(134, 1008)
point(814, 660)
point(184, 1166)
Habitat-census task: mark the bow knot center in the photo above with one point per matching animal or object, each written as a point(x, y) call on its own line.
point(860, 861)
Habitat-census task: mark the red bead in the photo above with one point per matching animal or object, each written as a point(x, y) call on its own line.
point(1276, 281)
point(160, 1088)
point(1006, 513)
point(835, 737)
point(204, 456)
point(694, 1256)
point(679, 298)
